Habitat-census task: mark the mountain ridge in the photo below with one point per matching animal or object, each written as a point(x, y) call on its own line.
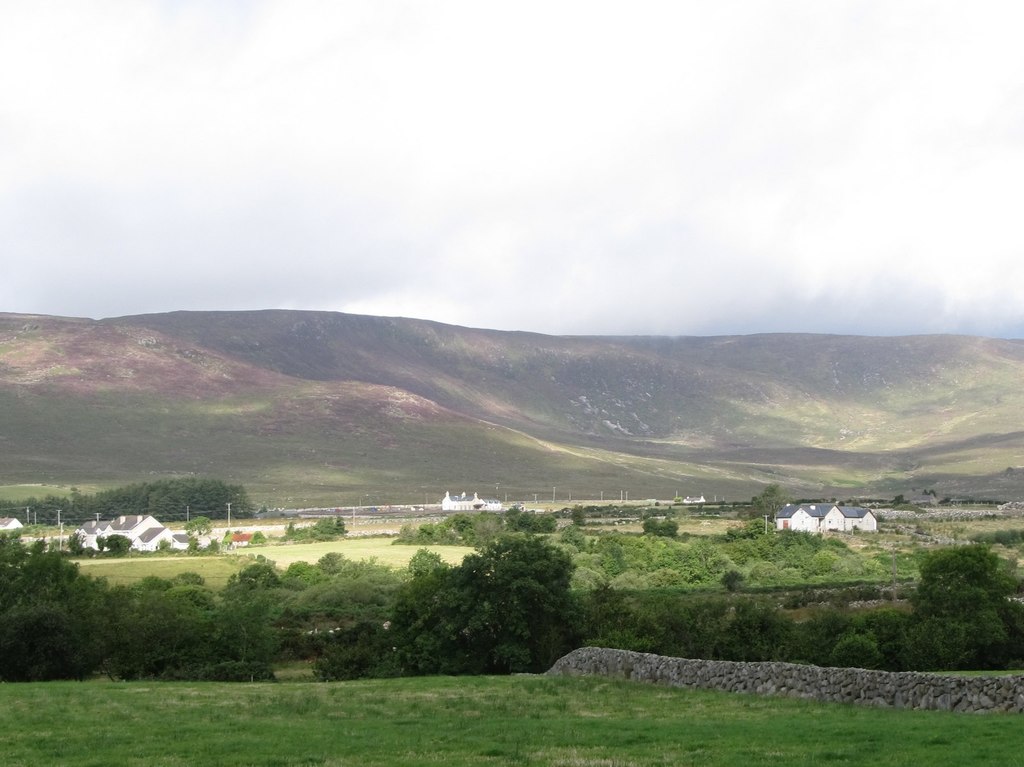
point(417, 403)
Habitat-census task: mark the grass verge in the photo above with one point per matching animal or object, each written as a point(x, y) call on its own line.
point(473, 721)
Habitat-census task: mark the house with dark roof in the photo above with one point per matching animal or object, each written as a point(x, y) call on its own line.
point(90, 531)
point(825, 517)
point(144, 531)
point(10, 523)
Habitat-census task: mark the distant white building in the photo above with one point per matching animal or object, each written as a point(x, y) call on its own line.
point(825, 517)
point(694, 499)
point(466, 503)
point(10, 523)
point(144, 531)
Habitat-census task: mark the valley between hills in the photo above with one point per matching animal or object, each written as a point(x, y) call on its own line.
point(316, 408)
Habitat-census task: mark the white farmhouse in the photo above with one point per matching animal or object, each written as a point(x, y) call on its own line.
point(10, 523)
point(824, 517)
point(466, 503)
point(144, 531)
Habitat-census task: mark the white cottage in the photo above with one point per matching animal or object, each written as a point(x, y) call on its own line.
point(466, 503)
point(10, 523)
point(144, 531)
point(824, 517)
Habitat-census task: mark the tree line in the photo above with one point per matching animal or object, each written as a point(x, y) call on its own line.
point(508, 607)
point(169, 500)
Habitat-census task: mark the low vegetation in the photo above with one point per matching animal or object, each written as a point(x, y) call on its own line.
point(516, 604)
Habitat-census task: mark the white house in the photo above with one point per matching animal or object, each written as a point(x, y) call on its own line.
point(144, 531)
point(849, 518)
point(466, 503)
point(824, 517)
point(9, 523)
point(132, 526)
point(694, 499)
point(89, 532)
point(151, 538)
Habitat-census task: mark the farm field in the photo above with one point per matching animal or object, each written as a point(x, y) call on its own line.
point(381, 549)
point(214, 569)
point(217, 568)
point(521, 720)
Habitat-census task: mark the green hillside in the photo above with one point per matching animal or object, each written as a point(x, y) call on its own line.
point(324, 408)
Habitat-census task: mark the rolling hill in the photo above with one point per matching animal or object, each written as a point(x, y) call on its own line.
point(311, 408)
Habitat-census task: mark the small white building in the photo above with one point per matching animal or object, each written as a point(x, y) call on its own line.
point(825, 517)
point(10, 523)
point(466, 503)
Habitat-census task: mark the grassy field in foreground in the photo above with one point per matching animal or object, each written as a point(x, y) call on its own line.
point(520, 720)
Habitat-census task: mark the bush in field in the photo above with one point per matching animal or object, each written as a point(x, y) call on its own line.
point(473, 529)
point(364, 650)
point(667, 528)
point(326, 529)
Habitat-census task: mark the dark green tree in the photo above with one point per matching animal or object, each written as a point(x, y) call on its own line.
point(114, 545)
point(963, 617)
point(51, 617)
point(199, 526)
point(666, 528)
point(769, 500)
point(505, 609)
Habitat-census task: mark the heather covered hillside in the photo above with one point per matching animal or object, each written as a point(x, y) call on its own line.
point(306, 406)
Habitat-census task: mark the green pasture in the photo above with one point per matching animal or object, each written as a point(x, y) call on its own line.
point(21, 492)
point(214, 569)
point(217, 568)
point(381, 549)
point(521, 720)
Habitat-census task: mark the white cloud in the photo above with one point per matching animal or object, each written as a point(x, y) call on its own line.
point(649, 167)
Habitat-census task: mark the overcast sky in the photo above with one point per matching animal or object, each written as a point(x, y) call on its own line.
point(678, 168)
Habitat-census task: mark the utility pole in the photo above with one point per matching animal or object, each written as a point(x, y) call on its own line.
point(229, 516)
point(553, 494)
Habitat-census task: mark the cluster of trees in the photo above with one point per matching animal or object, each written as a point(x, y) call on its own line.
point(962, 618)
point(658, 560)
point(166, 499)
point(476, 529)
point(56, 623)
point(508, 607)
point(326, 529)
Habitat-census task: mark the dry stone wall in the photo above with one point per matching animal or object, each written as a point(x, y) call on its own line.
point(834, 685)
